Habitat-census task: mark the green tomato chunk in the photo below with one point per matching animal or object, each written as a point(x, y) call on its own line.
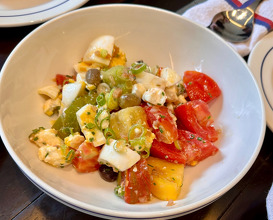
point(67, 122)
point(118, 76)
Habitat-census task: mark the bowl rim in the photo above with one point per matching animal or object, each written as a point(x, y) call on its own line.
point(106, 213)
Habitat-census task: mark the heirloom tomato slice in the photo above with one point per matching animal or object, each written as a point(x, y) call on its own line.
point(188, 149)
point(200, 86)
point(194, 147)
point(167, 152)
point(137, 183)
point(86, 158)
point(162, 122)
point(195, 116)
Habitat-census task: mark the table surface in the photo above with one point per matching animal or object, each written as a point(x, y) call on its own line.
point(20, 199)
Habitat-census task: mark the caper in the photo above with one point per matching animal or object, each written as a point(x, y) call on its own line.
point(129, 100)
point(93, 77)
point(107, 173)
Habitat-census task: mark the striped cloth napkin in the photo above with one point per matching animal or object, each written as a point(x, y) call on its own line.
point(263, 19)
point(269, 204)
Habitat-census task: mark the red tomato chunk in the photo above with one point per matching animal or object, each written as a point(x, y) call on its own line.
point(162, 123)
point(194, 147)
point(200, 86)
point(195, 116)
point(137, 183)
point(189, 149)
point(63, 79)
point(86, 158)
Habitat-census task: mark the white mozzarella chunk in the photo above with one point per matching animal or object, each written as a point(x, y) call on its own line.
point(119, 160)
point(50, 91)
point(99, 49)
point(149, 80)
point(53, 155)
point(138, 89)
point(86, 119)
point(155, 96)
point(170, 76)
point(70, 92)
point(44, 137)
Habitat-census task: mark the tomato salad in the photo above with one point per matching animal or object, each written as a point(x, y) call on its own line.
point(136, 125)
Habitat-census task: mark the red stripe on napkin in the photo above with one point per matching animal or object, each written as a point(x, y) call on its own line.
point(237, 3)
point(263, 21)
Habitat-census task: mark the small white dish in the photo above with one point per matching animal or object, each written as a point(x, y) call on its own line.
point(260, 62)
point(22, 12)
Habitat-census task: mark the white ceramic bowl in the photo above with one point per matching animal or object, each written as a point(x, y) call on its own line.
point(158, 37)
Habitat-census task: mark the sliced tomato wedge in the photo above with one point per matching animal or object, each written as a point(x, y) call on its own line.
point(167, 152)
point(188, 149)
point(137, 183)
point(162, 123)
point(200, 86)
point(63, 79)
point(86, 158)
point(195, 116)
point(194, 147)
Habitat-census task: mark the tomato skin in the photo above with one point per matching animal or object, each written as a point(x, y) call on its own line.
point(86, 158)
point(167, 152)
point(61, 79)
point(193, 149)
point(137, 183)
point(162, 123)
point(200, 86)
point(195, 116)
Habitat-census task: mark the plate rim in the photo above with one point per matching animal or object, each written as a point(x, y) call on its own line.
point(38, 14)
point(258, 56)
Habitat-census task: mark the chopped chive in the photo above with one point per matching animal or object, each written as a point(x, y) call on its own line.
point(161, 130)
point(90, 125)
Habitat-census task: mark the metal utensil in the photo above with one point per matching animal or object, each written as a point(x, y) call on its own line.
point(235, 25)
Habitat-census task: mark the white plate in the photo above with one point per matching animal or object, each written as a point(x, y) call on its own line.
point(27, 12)
point(261, 64)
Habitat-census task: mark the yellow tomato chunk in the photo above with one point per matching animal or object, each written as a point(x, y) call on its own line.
point(166, 178)
point(123, 120)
